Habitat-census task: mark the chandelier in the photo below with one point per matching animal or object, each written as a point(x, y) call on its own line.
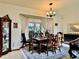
point(51, 12)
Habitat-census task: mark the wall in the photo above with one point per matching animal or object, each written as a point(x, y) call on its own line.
point(66, 25)
point(13, 12)
point(58, 28)
point(69, 15)
point(45, 24)
point(24, 24)
point(71, 18)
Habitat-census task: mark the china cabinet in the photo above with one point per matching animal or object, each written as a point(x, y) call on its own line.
point(5, 35)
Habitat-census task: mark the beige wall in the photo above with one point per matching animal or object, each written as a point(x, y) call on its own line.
point(13, 12)
point(69, 15)
point(71, 18)
point(47, 23)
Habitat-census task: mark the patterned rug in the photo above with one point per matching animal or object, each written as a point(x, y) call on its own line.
point(35, 55)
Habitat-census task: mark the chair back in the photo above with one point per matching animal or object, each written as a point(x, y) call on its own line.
point(23, 37)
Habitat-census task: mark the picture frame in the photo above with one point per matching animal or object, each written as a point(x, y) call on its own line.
point(15, 25)
point(73, 27)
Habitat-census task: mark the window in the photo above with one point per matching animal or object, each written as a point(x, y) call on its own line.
point(34, 29)
point(31, 26)
point(38, 27)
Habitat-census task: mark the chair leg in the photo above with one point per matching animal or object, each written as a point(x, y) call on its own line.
point(54, 49)
point(47, 50)
point(59, 48)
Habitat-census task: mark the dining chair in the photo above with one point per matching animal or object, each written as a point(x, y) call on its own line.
point(48, 45)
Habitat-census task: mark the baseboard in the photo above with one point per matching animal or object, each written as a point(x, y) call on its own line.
point(16, 49)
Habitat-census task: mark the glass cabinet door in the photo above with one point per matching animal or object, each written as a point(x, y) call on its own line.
point(5, 38)
point(5, 35)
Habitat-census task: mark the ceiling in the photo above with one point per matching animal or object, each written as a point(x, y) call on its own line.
point(63, 7)
point(37, 4)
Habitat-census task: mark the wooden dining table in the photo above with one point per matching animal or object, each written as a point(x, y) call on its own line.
point(40, 42)
point(37, 41)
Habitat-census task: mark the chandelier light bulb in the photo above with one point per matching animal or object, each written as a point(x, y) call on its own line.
point(54, 12)
point(50, 12)
point(47, 13)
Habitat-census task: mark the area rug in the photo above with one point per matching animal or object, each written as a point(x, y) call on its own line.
point(35, 55)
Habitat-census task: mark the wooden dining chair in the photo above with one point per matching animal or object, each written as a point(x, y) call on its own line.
point(34, 46)
point(57, 43)
point(23, 38)
point(48, 45)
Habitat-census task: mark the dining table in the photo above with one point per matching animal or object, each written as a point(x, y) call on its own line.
point(39, 41)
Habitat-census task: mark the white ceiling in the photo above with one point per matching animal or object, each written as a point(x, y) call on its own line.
point(62, 6)
point(37, 4)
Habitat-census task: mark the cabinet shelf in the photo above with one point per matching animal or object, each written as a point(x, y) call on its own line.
point(5, 35)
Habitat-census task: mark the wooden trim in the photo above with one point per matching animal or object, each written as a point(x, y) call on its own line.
point(10, 35)
point(0, 37)
point(16, 49)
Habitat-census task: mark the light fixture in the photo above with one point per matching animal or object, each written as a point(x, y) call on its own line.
point(51, 12)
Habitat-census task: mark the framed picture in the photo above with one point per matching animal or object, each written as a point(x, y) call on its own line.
point(15, 25)
point(73, 28)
